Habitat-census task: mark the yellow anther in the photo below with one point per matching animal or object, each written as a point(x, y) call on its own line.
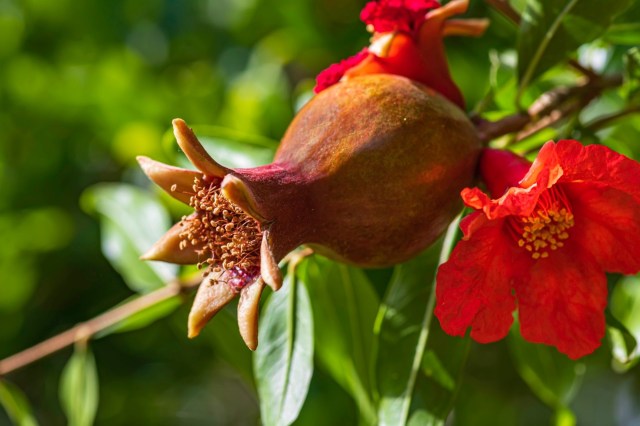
point(542, 231)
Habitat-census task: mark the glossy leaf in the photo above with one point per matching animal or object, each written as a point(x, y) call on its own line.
point(283, 362)
point(16, 405)
point(552, 376)
point(79, 391)
point(418, 365)
point(131, 221)
point(344, 307)
point(551, 29)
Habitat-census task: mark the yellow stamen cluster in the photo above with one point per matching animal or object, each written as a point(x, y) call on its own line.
point(545, 230)
point(222, 233)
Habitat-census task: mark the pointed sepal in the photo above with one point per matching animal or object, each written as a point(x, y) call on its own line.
point(168, 247)
point(175, 181)
point(212, 296)
point(248, 313)
point(195, 152)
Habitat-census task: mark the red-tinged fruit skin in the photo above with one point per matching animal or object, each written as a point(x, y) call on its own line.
point(368, 172)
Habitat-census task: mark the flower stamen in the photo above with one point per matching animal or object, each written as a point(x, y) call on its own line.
point(545, 230)
point(222, 234)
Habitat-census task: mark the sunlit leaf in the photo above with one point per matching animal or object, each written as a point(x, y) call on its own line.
point(552, 376)
point(344, 307)
point(131, 221)
point(551, 29)
point(79, 391)
point(16, 405)
point(283, 362)
point(418, 365)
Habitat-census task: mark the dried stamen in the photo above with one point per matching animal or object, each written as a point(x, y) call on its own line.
point(223, 234)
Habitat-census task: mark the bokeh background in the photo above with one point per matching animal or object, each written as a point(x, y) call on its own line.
point(85, 86)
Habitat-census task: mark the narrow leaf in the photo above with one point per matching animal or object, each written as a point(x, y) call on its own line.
point(283, 362)
point(418, 365)
point(79, 388)
point(16, 405)
point(551, 29)
point(131, 221)
point(345, 303)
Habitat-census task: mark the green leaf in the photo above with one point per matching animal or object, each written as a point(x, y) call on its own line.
point(283, 362)
point(16, 405)
point(132, 220)
point(552, 376)
point(143, 318)
point(232, 148)
point(631, 85)
point(223, 333)
point(551, 29)
point(345, 303)
point(624, 322)
point(79, 388)
point(624, 33)
point(418, 366)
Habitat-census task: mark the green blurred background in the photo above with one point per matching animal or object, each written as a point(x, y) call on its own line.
point(85, 86)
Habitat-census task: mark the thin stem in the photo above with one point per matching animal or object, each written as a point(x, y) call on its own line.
point(506, 9)
point(550, 108)
point(86, 330)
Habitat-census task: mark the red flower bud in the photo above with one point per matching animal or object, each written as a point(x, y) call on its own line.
point(408, 41)
point(367, 173)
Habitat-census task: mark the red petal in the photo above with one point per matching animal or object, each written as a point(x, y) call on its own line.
point(563, 303)
point(396, 15)
point(334, 73)
point(474, 288)
point(598, 163)
point(607, 225)
point(501, 169)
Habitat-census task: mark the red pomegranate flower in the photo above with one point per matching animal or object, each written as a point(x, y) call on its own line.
point(544, 243)
point(407, 41)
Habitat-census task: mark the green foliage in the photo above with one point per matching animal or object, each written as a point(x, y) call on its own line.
point(132, 220)
point(79, 388)
point(624, 323)
point(345, 303)
point(16, 405)
point(551, 29)
point(283, 362)
point(552, 376)
point(417, 367)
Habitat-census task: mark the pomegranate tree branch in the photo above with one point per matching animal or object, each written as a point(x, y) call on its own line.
point(550, 108)
point(86, 330)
